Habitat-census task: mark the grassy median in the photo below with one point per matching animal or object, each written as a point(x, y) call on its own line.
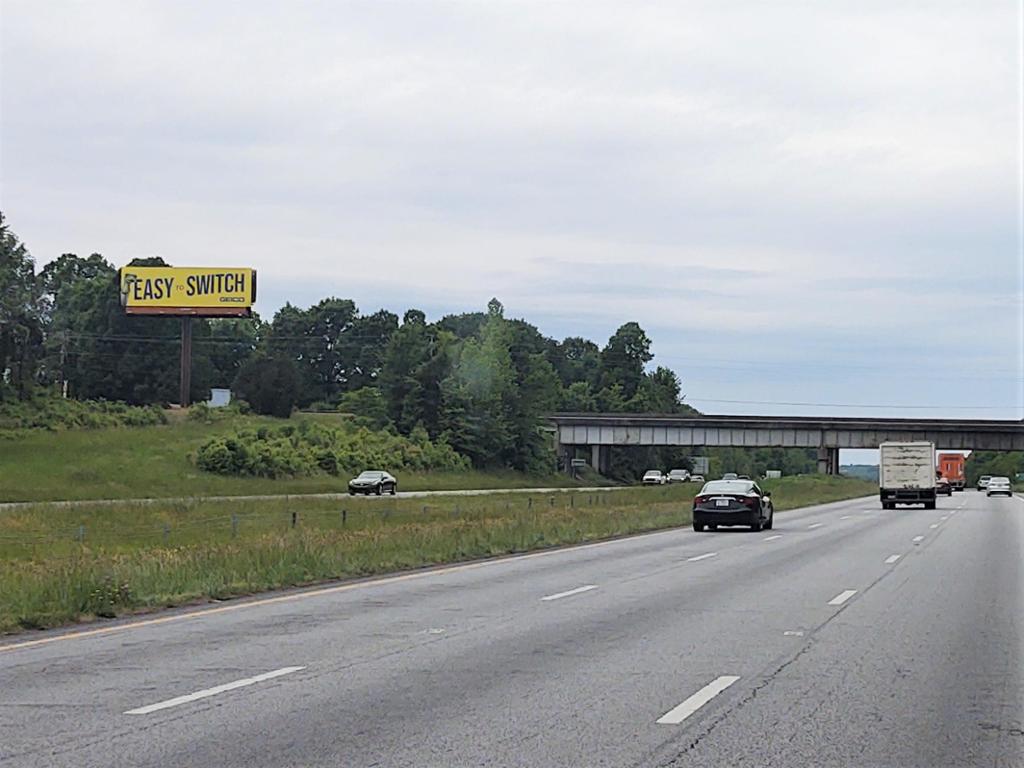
point(61, 565)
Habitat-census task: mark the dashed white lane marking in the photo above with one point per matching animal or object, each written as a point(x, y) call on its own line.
point(918, 539)
point(772, 538)
point(207, 692)
point(570, 593)
point(891, 559)
point(934, 525)
point(845, 517)
point(815, 525)
point(793, 633)
point(676, 715)
point(842, 597)
point(705, 556)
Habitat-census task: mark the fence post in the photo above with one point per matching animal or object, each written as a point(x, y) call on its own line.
point(551, 501)
point(234, 525)
point(295, 518)
point(167, 533)
point(344, 517)
point(81, 534)
point(529, 503)
point(572, 500)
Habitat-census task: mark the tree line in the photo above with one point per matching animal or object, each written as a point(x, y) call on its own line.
point(478, 381)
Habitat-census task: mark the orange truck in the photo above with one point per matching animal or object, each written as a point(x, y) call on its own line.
point(951, 467)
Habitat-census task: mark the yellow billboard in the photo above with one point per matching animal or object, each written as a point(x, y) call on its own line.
point(207, 291)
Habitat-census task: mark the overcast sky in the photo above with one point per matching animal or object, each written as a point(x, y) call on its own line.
point(801, 202)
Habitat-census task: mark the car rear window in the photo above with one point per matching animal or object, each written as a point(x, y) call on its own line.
point(727, 486)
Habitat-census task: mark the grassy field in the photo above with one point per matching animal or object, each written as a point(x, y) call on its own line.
point(59, 565)
point(153, 462)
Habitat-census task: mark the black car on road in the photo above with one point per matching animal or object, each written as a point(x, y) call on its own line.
point(733, 502)
point(373, 481)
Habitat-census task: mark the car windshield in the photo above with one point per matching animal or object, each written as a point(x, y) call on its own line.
point(999, 481)
point(371, 475)
point(727, 486)
point(651, 473)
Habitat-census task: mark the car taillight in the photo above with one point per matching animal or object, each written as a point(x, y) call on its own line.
point(750, 501)
point(699, 499)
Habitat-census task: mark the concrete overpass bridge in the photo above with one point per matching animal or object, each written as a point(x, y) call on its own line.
point(601, 431)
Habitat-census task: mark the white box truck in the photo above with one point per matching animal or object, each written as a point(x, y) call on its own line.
point(906, 474)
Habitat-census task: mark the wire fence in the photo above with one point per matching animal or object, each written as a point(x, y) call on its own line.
point(175, 526)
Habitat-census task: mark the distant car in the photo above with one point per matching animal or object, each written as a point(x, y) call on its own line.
point(999, 485)
point(743, 477)
point(983, 482)
point(653, 477)
point(373, 481)
point(733, 502)
point(943, 486)
point(730, 476)
point(678, 476)
point(696, 478)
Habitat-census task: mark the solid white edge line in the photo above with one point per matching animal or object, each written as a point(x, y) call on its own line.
point(705, 556)
point(207, 692)
point(569, 593)
point(891, 559)
point(842, 597)
point(677, 714)
point(918, 538)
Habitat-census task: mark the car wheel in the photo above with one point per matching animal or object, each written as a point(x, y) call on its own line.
point(756, 526)
point(698, 527)
point(929, 505)
point(394, 488)
point(380, 489)
point(712, 526)
point(351, 492)
point(771, 519)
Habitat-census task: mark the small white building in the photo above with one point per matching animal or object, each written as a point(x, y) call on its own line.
point(219, 398)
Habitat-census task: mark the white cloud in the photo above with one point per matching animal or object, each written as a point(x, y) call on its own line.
point(753, 160)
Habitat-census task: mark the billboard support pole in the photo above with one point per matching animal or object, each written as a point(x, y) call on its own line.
point(186, 360)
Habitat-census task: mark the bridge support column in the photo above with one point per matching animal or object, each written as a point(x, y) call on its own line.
point(600, 458)
point(828, 461)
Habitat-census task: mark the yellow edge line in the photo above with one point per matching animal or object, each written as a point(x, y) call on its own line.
point(315, 593)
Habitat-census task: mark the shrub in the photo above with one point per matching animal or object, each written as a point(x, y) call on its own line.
point(56, 414)
point(310, 448)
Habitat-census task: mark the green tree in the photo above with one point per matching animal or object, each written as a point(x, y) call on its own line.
point(417, 359)
point(269, 384)
point(21, 316)
point(623, 359)
point(578, 360)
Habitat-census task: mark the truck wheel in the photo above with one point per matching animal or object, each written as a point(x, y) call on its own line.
point(698, 527)
point(929, 505)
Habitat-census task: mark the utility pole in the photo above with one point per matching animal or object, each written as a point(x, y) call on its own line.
point(186, 360)
point(63, 361)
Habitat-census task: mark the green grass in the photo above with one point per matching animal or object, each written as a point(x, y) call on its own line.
point(153, 462)
point(59, 565)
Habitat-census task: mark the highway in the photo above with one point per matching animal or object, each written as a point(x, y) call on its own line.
point(847, 636)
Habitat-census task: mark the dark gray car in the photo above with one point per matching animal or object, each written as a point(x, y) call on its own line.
point(733, 502)
point(373, 481)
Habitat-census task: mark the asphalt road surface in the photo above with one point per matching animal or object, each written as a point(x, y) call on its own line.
point(848, 636)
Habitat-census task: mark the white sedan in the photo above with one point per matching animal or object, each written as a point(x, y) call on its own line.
point(653, 477)
point(999, 485)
